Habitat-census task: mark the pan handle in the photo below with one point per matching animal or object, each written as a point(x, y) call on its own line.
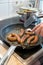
point(7, 55)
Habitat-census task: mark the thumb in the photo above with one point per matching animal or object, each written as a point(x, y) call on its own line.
point(35, 27)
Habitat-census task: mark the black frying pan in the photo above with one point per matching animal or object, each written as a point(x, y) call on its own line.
point(16, 28)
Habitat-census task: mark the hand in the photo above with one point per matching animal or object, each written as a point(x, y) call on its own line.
point(38, 29)
point(37, 63)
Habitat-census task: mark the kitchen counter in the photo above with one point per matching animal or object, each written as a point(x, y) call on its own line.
point(9, 16)
point(13, 60)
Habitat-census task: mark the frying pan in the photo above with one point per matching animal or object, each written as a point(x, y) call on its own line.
point(16, 28)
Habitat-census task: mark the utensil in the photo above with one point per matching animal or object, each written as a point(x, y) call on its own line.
point(7, 55)
point(30, 20)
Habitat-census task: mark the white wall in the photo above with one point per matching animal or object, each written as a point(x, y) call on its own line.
point(8, 7)
point(41, 5)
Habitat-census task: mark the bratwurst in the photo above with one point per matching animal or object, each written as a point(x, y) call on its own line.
point(21, 32)
point(23, 39)
point(35, 40)
point(32, 39)
point(24, 36)
point(11, 37)
point(29, 32)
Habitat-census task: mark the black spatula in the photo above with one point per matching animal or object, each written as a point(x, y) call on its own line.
point(30, 20)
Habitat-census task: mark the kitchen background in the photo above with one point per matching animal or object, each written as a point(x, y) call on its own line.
point(8, 8)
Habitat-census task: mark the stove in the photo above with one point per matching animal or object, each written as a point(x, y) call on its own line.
point(26, 53)
point(25, 56)
point(28, 56)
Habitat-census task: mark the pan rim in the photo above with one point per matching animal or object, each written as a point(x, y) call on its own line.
point(8, 26)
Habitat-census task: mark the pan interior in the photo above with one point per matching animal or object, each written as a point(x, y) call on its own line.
point(11, 29)
point(15, 28)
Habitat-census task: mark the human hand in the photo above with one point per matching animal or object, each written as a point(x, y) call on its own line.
point(38, 29)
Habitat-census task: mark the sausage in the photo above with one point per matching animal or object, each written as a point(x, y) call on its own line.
point(17, 37)
point(21, 32)
point(30, 39)
point(11, 37)
point(23, 39)
point(35, 40)
point(29, 32)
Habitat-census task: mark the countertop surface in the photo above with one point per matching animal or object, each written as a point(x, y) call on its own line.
point(13, 60)
point(9, 16)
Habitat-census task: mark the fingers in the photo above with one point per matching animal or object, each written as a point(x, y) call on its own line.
point(35, 27)
point(41, 33)
point(38, 30)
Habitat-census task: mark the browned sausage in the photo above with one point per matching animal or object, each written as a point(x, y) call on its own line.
point(29, 32)
point(17, 37)
point(11, 37)
point(30, 39)
point(35, 40)
point(21, 32)
point(23, 39)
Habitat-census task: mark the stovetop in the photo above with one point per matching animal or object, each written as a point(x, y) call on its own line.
point(26, 53)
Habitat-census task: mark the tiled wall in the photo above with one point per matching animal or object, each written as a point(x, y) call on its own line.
point(5, 8)
point(8, 7)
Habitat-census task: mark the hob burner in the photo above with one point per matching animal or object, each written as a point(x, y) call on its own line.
point(26, 53)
